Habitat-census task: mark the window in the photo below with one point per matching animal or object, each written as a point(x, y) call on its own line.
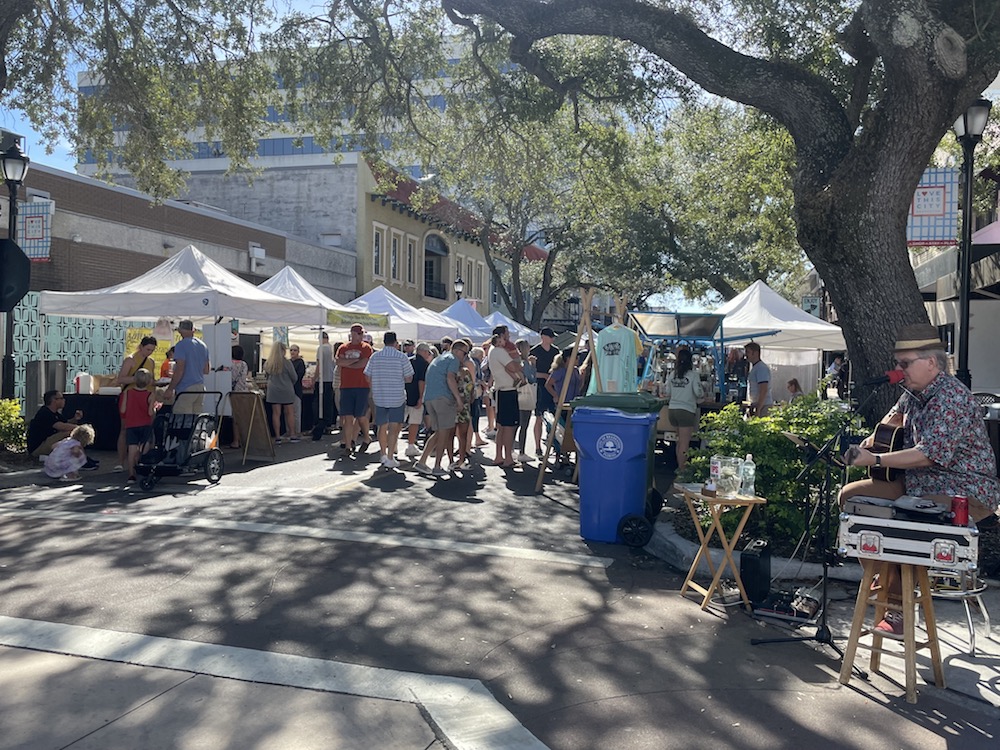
point(394, 257)
point(480, 269)
point(468, 279)
point(436, 268)
point(378, 241)
point(411, 259)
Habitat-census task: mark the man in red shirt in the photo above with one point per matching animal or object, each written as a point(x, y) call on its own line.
point(352, 358)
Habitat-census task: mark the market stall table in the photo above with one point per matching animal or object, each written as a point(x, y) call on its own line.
point(716, 506)
point(101, 412)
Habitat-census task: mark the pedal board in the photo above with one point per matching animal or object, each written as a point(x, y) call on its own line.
point(797, 606)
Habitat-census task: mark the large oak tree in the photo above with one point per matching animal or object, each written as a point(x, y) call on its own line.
point(866, 100)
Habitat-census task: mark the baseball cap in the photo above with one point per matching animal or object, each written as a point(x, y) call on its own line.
point(367, 338)
point(548, 332)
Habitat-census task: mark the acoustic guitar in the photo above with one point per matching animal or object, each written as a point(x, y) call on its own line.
point(887, 438)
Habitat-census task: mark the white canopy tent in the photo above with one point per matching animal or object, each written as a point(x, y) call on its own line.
point(187, 285)
point(517, 331)
point(406, 320)
point(332, 316)
point(470, 322)
point(792, 340)
point(760, 311)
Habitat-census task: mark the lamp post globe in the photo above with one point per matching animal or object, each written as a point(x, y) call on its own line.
point(459, 287)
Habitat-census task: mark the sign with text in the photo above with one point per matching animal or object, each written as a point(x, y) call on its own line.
point(934, 215)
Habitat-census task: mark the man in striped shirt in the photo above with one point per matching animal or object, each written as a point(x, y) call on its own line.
point(389, 370)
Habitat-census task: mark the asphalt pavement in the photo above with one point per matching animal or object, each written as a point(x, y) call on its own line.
point(318, 603)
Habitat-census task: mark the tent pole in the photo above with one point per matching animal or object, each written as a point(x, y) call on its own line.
point(587, 294)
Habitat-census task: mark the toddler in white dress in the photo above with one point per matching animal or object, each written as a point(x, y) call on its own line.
point(67, 456)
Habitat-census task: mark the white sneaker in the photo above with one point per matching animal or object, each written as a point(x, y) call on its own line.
point(491, 433)
point(391, 462)
point(384, 460)
point(439, 472)
point(412, 451)
point(423, 468)
point(118, 468)
point(522, 458)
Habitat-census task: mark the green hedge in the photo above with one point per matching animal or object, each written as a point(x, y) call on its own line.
point(789, 503)
point(12, 428)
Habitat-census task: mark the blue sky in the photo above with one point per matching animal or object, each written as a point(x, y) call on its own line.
point(34, 147)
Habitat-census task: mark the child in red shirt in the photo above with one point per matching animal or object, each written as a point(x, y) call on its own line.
point(137, 409)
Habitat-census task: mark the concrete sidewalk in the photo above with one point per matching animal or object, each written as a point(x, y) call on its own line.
point(976, 676)
point(62, 701)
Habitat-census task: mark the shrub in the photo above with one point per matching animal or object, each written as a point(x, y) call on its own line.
point(12, 429)
point(790, 505)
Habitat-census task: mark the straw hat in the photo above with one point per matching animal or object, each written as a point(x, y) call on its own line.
point(917, 337)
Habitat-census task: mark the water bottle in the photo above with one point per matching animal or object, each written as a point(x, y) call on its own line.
point(748, 476)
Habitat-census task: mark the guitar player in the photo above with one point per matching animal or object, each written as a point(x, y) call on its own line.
point(944, 450)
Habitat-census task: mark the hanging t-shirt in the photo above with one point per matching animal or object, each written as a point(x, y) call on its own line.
point(616, 352)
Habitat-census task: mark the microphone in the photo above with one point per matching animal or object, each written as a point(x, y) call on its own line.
point(892, 377)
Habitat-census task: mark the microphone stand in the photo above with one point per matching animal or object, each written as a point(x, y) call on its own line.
point(823, 633)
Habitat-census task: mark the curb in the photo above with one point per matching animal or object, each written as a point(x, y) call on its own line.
point(679, 552)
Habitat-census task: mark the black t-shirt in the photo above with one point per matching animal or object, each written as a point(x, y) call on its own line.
point(300, 372)
point(419, 374)
point(544, 359)
point(42, 427)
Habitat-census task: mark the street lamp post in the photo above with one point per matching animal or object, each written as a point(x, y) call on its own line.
point(573, 307)
point(15, 166)
point(969, 131)
point(459, 287)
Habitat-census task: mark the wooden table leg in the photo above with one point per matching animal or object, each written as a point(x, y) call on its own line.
point(730, 546)
point(717, 578)
point(703, 550)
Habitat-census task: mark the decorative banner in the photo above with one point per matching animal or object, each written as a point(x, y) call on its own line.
point(133, 336)
point(368, 320)
point(34, 228)
point(812, 305)
point(934, 215)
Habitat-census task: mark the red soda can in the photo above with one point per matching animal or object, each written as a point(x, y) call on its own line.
point(960, 510)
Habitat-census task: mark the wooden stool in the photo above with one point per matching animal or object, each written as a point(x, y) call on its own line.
point(913, 576)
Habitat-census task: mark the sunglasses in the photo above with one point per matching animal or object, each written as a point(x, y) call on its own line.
point(904, 364)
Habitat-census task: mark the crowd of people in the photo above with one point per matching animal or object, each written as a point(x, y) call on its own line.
point(456, 393)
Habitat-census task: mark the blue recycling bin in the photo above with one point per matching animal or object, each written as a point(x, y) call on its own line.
point(614, 450)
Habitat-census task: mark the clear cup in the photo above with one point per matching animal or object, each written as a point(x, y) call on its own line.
point(730, 471)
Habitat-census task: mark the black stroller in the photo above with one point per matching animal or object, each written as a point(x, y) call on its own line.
point(183, 445)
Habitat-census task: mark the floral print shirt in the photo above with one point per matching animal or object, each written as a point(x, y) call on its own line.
point(465, 388)
point(945, 423)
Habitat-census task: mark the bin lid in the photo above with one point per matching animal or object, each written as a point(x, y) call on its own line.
point(605, 415)
point(631, 403)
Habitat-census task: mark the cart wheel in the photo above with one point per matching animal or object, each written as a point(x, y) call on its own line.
point(654, 504)
point(215, 464)
point(148, 482)
point(635, 530)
